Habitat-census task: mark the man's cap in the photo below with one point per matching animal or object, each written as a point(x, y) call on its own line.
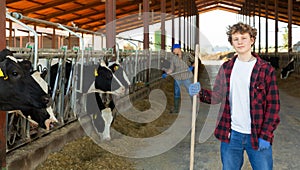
point(176, 46)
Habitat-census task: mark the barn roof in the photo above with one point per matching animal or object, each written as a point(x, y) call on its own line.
point(90, 14)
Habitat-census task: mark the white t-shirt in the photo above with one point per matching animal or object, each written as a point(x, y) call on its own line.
point(239, 96)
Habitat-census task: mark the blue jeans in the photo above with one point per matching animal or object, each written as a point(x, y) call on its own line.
point(178, 83)
point(232, 153)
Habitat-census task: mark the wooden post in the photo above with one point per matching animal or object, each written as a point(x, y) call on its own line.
point(2, 113)
point(290, 15)
point(146, 24)
point(173, 24)
point(110, 23)
point(276, 27)
point(163, 25)
point(194, 109)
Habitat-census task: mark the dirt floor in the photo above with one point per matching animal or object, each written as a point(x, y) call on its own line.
point(84, 153)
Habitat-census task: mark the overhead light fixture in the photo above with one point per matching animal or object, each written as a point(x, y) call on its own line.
point(74, 25)
point(152, 15)
point(140, 11)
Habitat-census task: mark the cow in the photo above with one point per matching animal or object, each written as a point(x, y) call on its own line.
point(43, 116)
point(110, 81)
point(285, 71)
point(19, 88)
point(53, 74)
point(274, 61)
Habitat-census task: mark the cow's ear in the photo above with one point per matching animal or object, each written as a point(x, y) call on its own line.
point(3, 69)
point(116, 68)
point(5, 52)
point(26, 65)
point(95, 72)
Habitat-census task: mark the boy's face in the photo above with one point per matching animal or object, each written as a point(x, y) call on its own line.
point(242, 42)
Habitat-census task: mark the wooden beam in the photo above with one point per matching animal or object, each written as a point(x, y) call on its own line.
point(45, 6)
point(2, 113)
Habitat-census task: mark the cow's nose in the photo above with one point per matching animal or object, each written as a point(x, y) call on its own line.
point(122, 89)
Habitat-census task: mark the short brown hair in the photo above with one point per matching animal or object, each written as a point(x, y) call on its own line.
point(241, 28)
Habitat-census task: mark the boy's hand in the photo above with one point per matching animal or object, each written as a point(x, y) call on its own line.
point(263, 144)
point(194, 88)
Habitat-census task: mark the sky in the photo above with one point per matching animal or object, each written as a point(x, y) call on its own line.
point(213, 26)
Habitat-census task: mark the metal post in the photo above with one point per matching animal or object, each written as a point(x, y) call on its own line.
point(82, 54)
point(15, 17)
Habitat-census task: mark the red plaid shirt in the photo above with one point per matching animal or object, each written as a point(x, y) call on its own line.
point(264, 101)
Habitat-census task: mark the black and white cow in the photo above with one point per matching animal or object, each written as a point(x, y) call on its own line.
point(19, 88)
point(110, 81)
point(285, 71)
point(43, 116)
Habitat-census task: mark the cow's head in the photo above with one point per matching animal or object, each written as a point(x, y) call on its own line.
point(106, 81)
point(120, 74)
point(19, 88)
point(285, 71)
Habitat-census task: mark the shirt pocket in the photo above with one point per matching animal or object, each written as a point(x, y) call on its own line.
point(260, 92)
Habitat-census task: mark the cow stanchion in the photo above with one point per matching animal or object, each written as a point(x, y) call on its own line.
point(194, 109)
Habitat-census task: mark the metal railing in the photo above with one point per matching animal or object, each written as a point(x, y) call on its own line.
point(142, 68)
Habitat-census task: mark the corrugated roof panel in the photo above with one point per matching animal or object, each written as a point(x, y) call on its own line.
point(69, 6)
point(19, 6)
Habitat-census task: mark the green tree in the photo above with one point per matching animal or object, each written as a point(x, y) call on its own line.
point(285, 38)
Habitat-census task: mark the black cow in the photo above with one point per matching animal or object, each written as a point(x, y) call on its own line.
point(274, 61)
point(109, 82)
point(53, 73)
point(45, 118)
point(19, 88)
point(285, 71)
point(41, 115)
